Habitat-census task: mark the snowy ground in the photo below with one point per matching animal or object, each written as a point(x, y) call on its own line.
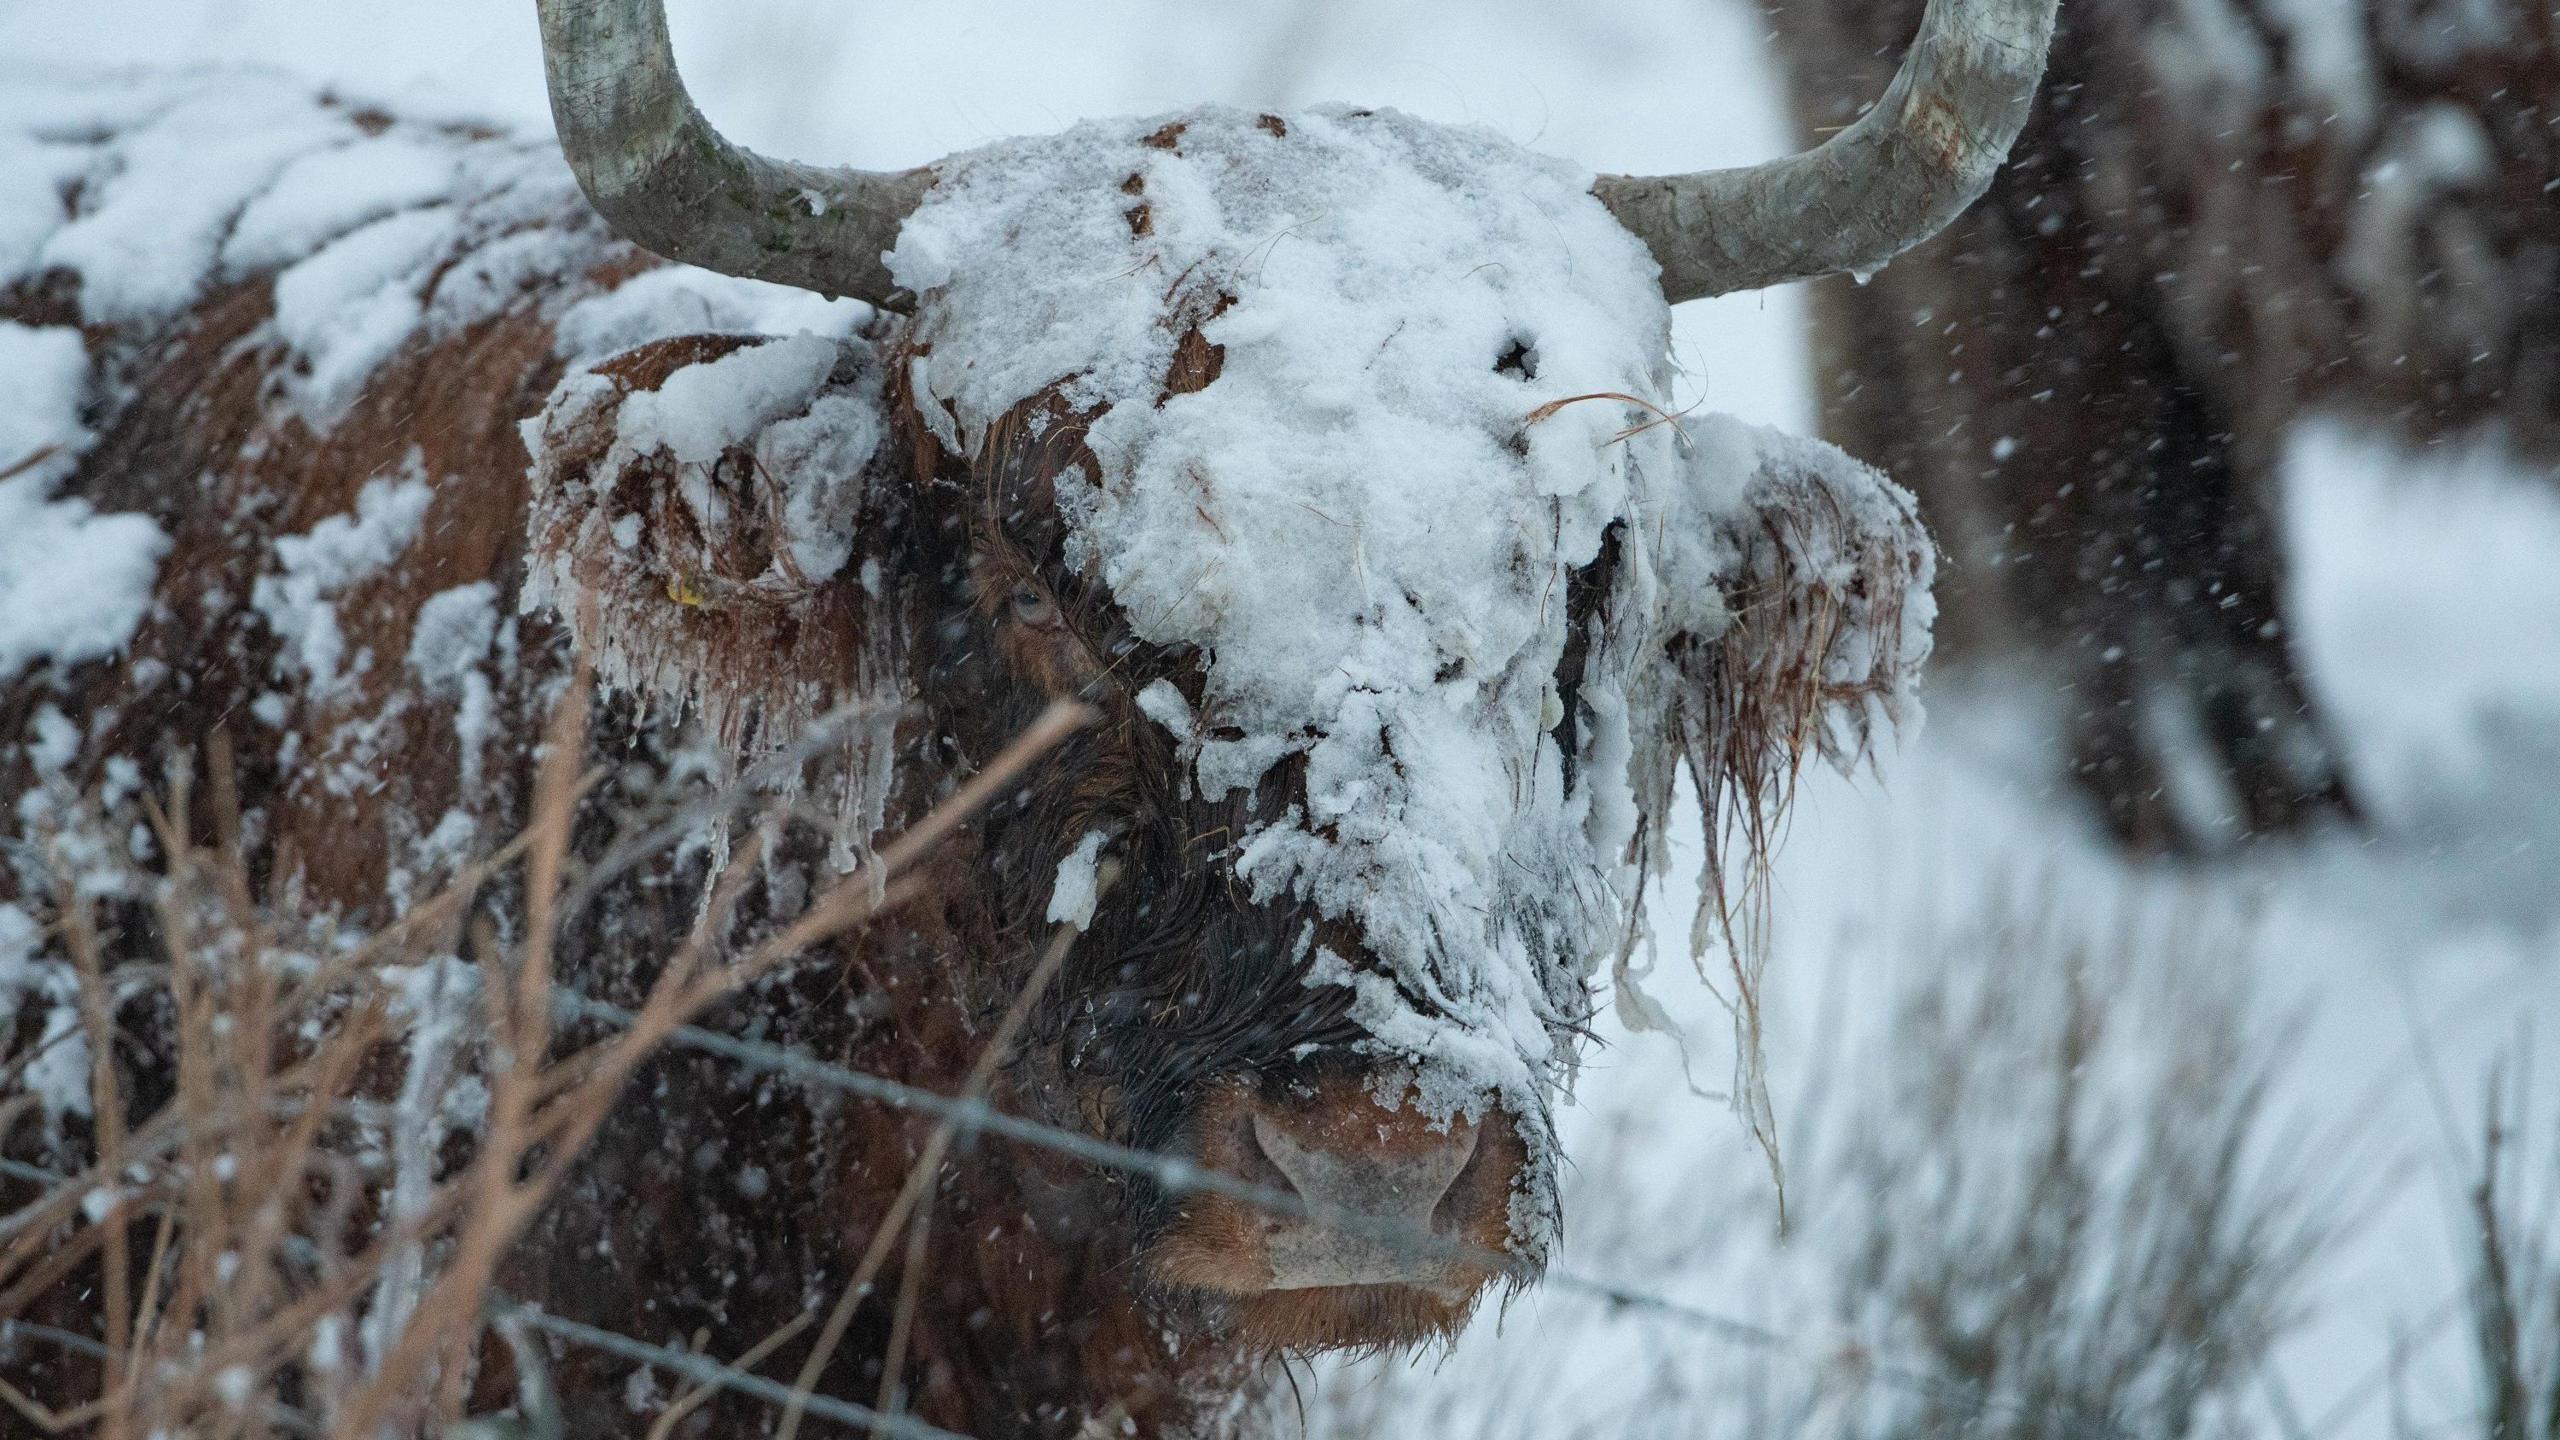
point(2429, 598)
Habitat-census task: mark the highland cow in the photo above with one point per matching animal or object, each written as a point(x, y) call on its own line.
point(1322, 456)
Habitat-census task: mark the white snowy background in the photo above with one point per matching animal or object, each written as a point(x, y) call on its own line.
point(2427, 586)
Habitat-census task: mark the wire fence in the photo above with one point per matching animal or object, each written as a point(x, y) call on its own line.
point(972, 1115)
point(711, 1374)
point(1178, 1176)
point(1174, 1174)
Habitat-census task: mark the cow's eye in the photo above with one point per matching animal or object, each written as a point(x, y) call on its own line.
point(1031, 607)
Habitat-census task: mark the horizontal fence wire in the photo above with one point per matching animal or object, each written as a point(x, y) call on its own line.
point(713, 1375)
point(976, 1116)
point(32, 1174)
point(1175, 1175)
point(1181, 1176)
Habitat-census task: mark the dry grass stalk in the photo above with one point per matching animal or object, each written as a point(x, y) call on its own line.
point(692, 1398)
point(268, 1244)
point(916, 1188)
point(2075, 1218)
point(2041, 1199)
point(1660, 416)
point(2514, 1294)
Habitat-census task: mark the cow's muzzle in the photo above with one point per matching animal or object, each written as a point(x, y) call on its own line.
point(1397, 1223)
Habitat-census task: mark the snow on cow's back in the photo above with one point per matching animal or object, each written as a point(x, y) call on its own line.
point(128, 202)
point(149, 192)
point(132, 198)
point(274, 346)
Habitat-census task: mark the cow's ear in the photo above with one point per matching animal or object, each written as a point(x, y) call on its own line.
point(716, 519)
point(1814, 571)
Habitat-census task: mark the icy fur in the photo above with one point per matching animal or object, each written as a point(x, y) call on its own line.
point(1438, 359)
point(663, 609)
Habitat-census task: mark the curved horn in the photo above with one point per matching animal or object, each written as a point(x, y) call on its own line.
point(1893, 179)
point(665, 180)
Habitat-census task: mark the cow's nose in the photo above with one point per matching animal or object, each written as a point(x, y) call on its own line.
point(1397, 1222)
point(1391, 1196)
point(1372, 1212)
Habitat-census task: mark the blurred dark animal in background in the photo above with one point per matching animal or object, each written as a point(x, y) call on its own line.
point(2220, 215)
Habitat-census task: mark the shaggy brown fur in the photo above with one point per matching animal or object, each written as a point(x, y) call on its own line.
point(726, 1206)
point(1028, 1320)
point(713, 1207)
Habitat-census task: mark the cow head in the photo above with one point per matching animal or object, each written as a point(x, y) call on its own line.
point(1325, 455)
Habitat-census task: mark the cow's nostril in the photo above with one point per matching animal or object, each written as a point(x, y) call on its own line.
point(1470, 1188)
point(1257, 1166)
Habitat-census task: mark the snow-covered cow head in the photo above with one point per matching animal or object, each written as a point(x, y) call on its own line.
point(1327, 456)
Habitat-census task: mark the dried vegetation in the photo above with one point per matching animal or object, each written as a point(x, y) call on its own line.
point(303, 1167)
point(2047, 1201)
